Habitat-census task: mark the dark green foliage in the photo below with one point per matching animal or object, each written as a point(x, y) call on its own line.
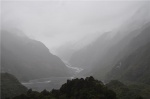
point(87, 88)
point(10, 86)
point(129, 91)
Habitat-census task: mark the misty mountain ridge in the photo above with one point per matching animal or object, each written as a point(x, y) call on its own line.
point(135, 21)
point(134, 66)
point(117, 51)
point(29, 59)
point(99, 56)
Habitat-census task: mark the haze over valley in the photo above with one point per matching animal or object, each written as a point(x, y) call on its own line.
point(56, 49)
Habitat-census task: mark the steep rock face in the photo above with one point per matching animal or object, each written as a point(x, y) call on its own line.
point(134, 66)
point(10, 86)
point(29, 59)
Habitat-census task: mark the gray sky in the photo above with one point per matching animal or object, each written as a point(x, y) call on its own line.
point(58, 22)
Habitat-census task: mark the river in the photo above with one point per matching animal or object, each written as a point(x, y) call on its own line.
point(51, 82)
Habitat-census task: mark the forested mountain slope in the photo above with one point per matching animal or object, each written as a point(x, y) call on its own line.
point(10, 86)
point(29, 59)
point(135, 65)
point(99, 57)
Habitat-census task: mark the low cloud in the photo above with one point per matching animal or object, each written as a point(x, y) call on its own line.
point(58, 22)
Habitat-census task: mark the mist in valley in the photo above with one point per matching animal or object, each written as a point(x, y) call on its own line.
point(45, 44)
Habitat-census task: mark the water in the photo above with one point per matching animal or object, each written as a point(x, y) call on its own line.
point(46, 83)
point(75, 69)
point(51, 82)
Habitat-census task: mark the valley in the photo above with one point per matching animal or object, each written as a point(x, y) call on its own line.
point(75, 49)
point(52, 82)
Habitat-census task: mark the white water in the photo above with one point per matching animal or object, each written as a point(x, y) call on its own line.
point(76, 69)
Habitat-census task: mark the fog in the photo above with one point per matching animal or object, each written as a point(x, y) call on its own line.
point(46, 43)
point(55, 23)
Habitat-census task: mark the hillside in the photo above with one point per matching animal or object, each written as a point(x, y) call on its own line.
point(99, 57)
point(29, 59)
point(134, 66)
point(129, 91)
point(10, 86)
point(121, 49)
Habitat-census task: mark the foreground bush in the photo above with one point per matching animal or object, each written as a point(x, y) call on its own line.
point(87, 88)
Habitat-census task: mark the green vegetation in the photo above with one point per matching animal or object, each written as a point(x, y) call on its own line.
point(129, 91)
point(10, 86)
point(87, 88)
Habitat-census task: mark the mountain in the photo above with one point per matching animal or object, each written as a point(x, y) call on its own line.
point(119, 50)
point(10, 86)
point(99, 57)
point(134, 66)
point(29, 59)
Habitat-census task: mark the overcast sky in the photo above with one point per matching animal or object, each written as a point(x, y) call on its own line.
point(58, 22)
